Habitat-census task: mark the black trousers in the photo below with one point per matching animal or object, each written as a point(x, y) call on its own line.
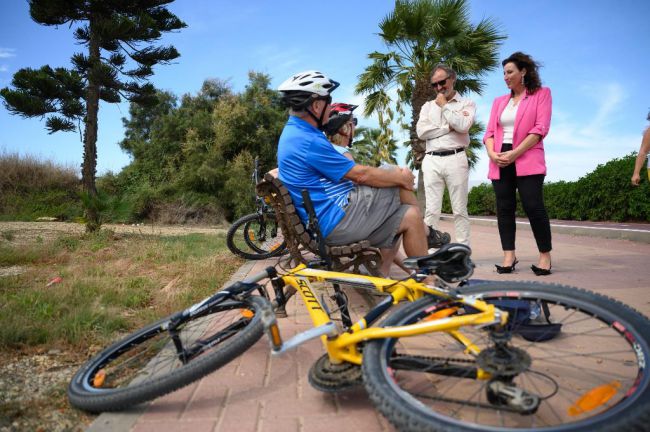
point(532, 199)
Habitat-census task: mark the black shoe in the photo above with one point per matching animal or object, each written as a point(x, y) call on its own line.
point(507, 269)
point(540, 271)
point(437, 239)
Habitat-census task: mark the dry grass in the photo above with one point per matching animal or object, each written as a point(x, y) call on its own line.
point(110, 284)
point(22, 173)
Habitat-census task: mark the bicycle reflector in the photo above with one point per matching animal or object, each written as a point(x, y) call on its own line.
point(99, 378)
point(594, 398)
point(270, 324)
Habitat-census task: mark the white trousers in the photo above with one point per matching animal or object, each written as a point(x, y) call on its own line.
point(452, 171)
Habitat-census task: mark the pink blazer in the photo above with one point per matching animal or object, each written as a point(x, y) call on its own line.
point(533, 116)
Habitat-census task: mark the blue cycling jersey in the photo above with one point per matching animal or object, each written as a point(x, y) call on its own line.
point(307, 160)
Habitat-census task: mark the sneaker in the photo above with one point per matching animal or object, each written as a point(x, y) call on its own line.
point(436, 239)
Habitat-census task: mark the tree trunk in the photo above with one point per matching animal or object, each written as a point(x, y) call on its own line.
point(421, 93)
point(89, 166)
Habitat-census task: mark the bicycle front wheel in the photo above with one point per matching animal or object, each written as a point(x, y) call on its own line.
point(155, 361)
point(255, 237)
point(589, 374)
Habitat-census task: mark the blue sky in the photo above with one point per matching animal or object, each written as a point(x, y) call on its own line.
point(595, 56)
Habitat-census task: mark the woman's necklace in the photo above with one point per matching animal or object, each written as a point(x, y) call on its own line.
point(516, 99)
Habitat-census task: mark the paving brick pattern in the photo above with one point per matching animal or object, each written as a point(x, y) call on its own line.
point(263, 393)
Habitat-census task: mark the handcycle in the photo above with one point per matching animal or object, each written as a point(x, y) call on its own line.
point(256, 236)
point(450, 357)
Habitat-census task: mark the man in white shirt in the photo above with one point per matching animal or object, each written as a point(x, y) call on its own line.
point(444, 124)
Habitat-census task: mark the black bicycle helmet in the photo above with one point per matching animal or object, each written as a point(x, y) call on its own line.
point(340, 113)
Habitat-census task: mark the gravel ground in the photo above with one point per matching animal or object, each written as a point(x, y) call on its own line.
point(32, 394)
point(32, 386)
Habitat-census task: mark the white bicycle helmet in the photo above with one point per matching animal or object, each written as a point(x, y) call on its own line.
point(299, 91)
point(304, 87)
point(309, 81)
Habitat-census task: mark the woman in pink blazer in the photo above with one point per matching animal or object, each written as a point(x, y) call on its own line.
point(518, 123)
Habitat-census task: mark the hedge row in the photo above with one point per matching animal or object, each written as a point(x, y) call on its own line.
point(602, 195)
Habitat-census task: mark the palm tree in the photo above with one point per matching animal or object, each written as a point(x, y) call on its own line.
point(367, 149)
point(419, 34)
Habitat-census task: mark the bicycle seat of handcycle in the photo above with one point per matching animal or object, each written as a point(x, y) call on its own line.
point(451, 263)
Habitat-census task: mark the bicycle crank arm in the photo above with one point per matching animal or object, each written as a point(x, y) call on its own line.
point(278, 346)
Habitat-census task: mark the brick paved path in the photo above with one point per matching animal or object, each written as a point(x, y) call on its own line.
point(261, 393)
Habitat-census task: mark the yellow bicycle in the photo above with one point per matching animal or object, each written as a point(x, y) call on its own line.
point(482, 356)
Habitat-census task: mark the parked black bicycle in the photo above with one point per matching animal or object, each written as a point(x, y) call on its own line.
point(256, 236)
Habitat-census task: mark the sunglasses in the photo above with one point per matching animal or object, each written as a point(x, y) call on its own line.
point(354, 121)
point(439, 83)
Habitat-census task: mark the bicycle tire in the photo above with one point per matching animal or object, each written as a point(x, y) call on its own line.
point(144, 365)
point(238, 239)
point(273, 242)
point(618, 346)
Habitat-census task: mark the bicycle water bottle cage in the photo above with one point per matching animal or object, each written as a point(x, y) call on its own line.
point(451, 263)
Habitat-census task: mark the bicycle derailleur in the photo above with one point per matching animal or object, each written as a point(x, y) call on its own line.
point(504, 363)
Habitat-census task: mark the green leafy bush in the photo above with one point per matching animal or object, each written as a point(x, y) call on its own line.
point(602, 195)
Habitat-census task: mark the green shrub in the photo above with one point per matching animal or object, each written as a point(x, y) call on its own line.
point(481, 200)
point(602, 195)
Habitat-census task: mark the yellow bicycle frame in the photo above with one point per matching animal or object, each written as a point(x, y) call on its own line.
point(343, 347)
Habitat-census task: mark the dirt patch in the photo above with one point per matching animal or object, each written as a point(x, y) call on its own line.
point(25, 232)
point(11, 271)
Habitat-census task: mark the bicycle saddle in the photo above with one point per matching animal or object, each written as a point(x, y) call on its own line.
point(450, 263)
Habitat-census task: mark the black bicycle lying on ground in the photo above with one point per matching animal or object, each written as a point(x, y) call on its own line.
point(256, 236)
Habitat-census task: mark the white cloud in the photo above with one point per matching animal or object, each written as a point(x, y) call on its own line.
point(7, 52)
point(3, 68)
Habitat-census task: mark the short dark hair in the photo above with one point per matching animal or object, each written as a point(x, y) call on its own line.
point(532, 82)
point(444, 67)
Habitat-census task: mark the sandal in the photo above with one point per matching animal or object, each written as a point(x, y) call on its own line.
point(540, 271)
point(507, 269)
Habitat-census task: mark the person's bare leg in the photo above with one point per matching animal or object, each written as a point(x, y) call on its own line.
point(408, 197)
point(508, 257)
point(544, 260)
point(387, 258)
point(414, 233)
point(398, 257)
point(399, 261)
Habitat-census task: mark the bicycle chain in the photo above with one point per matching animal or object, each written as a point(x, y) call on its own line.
point(433, 358)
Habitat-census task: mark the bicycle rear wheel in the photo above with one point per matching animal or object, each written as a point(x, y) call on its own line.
point(146, 364)
point(589, 376)
point(255, 237)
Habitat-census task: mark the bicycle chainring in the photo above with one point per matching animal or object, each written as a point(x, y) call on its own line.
point(332, 378)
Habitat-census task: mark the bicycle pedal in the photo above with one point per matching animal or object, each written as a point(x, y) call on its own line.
point(271, 328)
point(281, 312)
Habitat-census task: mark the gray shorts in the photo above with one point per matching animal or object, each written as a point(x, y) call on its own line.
point(373, 214)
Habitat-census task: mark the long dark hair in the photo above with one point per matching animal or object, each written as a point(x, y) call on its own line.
point(532, 82)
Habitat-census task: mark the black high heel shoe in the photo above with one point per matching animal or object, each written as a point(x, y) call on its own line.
point(507, 269)
point(540, 271)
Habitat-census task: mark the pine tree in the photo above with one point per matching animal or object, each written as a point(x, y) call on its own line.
point(119, 58)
